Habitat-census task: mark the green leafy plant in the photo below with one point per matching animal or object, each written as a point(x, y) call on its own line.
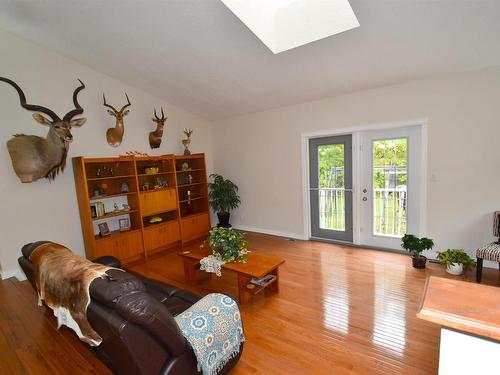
point(416, 245)
point(223, 194)
point(227, 244)
point(451, 256)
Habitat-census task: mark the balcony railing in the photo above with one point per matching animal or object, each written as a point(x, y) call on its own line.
point(332, 208)
point(389, 206)
point(389, 210)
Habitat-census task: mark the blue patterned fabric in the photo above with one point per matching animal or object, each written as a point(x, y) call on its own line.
point(213, 328)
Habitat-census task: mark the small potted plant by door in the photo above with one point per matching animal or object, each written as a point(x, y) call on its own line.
point(224, 198)
point(455, 261)
point(415, 246)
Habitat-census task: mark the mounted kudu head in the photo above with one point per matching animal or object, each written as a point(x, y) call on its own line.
point(35, 157)
point(114, 135)
point(155, 136)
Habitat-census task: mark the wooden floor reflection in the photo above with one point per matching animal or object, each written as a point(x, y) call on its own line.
point(340, 310)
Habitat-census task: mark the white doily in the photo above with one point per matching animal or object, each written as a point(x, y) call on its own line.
point(211, 264)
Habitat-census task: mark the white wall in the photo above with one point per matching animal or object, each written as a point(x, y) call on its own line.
point(261, 152)
point(49, 211)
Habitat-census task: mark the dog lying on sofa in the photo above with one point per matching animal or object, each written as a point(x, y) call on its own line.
point(134, 316)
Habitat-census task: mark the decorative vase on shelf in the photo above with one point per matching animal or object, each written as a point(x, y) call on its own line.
point(186, 142)
point(189, 204)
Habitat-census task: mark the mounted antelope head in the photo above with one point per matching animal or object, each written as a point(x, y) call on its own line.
point(155, 136)
point(115, 135)
point(35, 157)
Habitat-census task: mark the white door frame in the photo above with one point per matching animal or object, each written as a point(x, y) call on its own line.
point(355, 131)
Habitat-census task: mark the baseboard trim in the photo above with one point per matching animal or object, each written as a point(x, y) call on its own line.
point(17, 273)
point(270, 232)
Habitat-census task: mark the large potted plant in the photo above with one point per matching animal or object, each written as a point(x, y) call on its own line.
point(415, 246)
point(455, 260)
point(224, 198)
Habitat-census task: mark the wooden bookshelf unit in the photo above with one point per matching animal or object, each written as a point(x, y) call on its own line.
point(164, 200)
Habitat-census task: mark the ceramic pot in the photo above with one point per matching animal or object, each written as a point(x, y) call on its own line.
point(455, 269)
point(223, 219)
point(419, 261)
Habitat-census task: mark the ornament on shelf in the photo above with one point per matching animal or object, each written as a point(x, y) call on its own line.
point(186, 142)
point(135, 153)
point(124, 188)
point(189, 204)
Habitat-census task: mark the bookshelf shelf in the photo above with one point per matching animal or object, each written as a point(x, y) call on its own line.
point(149, 195)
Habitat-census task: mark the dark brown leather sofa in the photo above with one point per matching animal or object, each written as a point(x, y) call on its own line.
point(135, 318)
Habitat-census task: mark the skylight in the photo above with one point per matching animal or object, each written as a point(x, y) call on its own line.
point(285, 24)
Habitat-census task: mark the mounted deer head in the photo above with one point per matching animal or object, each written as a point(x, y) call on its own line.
point(115, 135)
point(35, 157)
point(155, 136)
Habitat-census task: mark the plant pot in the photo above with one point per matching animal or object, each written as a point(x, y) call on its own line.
point(223, 219)
point(419, 261)
point(455, 269)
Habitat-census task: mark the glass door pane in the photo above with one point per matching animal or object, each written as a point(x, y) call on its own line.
point(390, 171)
point(330, 183)
point(331, 192)
point(391, 180)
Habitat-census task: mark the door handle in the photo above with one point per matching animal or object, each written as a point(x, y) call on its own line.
point(365, 199)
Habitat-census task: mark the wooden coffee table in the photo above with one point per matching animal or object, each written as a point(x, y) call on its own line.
point(257, 266)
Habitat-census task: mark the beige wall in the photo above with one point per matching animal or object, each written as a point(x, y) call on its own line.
point(261, 152)
point(43, 210)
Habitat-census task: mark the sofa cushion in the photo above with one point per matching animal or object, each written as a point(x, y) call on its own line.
point(119, 283)
point(142, 309)
point(175, 305)
point(175, 300)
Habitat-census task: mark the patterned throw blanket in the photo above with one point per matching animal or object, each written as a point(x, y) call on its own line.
point(213, 328)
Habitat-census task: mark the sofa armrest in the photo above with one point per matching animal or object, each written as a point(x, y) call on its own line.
point(108, 261)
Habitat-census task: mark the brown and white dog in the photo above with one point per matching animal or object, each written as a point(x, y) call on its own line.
point(63, 280)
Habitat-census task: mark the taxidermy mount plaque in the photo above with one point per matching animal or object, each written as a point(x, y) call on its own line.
point(114, 135)
point(155, 136)
point(35, 157)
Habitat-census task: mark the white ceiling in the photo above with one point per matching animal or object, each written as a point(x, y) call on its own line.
point(199, 55)
point(287, 24)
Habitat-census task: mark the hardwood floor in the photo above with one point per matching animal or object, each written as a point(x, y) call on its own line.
point(340, 310)
point(30, 342)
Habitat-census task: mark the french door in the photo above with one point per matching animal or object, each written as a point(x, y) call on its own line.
point(330, 166)
point(387, 198)
point(390, 184)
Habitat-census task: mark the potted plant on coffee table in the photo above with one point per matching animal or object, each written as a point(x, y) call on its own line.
point(226, 245)
point(415, 246)
point(224, 198)
point(455, 261)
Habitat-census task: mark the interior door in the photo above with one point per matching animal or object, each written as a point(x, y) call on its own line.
point(330, 183)
point(391, 175)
